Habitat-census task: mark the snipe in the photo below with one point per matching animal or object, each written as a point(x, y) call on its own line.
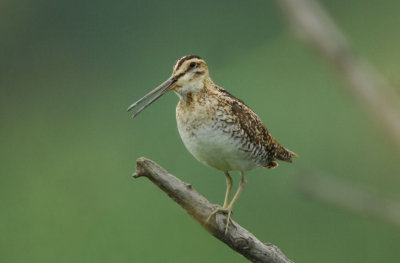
point(217, 128)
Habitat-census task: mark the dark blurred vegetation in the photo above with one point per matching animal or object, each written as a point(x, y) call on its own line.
point(69, 69)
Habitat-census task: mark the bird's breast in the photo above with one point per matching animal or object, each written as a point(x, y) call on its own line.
point(212, 136)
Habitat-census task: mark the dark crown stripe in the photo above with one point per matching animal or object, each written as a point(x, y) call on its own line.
point(180, 62)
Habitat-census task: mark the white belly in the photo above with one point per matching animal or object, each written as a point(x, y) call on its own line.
point(215, 147)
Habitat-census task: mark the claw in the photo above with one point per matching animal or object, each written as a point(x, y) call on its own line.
point(227, 211)
point(228, 220)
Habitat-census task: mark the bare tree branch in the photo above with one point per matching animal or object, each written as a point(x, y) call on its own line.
point(348, 197)
point(238, 238)
point(313, 25)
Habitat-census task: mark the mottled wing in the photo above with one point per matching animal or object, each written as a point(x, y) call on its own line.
point(264, 148)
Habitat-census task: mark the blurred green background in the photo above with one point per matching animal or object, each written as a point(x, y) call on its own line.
point(68, 71)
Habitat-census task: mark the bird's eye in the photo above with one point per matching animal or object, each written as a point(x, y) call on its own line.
point(192, 64)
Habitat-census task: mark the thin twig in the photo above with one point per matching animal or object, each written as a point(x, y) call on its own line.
point(238, 238)
point(348, 197)
point(313, 25)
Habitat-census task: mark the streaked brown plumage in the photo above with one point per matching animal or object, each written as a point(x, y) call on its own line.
point(219, 129)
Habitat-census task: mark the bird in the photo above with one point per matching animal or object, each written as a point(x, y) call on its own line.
point(217, 128)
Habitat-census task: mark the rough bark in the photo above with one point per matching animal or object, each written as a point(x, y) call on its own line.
point(238, 238)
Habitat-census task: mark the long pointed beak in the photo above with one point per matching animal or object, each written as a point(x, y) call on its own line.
point(164, 87)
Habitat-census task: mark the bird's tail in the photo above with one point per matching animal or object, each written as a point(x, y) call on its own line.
point(282, 154)
point(285, 155)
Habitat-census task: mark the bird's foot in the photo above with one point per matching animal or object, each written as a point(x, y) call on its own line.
point(227, 211)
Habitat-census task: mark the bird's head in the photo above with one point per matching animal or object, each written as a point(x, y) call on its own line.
point(187, 76)
point(190, 72)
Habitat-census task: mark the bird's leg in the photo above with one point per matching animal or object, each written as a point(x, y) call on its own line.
point(228, 209)
point(227, 194)
point(242, 184)
point(228, 189)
